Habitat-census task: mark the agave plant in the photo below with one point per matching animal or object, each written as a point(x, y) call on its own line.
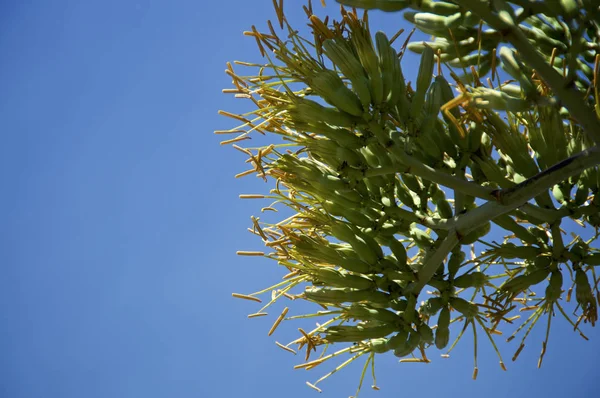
point(392, 183)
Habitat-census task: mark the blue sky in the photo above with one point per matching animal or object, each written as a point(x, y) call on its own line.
point(121, 218)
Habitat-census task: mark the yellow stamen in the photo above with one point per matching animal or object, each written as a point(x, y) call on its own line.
point(398, 33)
point(229, 131)
point(246, 297)
point(231, 91)
point(249, 253)
point(278, 320)
point(257, 314)
point(233, 116)
point(285, 348)
point(514, 358)
point(313, 387)
point(236, 139)
point(245, 173)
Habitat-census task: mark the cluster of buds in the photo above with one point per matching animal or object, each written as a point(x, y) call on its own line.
point(391, 183)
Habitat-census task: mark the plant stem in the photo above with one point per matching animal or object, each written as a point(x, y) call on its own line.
point(509, 199)
point(408, 164)
point(565, 91)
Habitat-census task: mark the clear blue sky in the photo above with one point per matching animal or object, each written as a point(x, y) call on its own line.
point(120, 221)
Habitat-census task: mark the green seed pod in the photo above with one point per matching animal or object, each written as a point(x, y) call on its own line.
point(363, 313)
point(433, 102)
point(513, 90)
point(399, 251)
point(338, 203)
point(398, 305)
point(421, 238)
point(387, 60)
point(493, 172)
point(361, 39)
point(554, 288)
point(594, 220)
point(372, 243)
point(578, 251)
point(389, 285)
point(580, 195)
point(542, 262)
point(439, 44)
point(383, 5)
point(583, 290)
point(383, 158)
point(440, 132)
point(507, 222)
point(592, 259)
point(437, 195)
point(478, 175)
point(477, 233)
point(426, 333)
point(332, 277)
point(428, 143)
point(412, 182)
point(354, 264)
point(443, 208)
point(351, 68)
point(308, 111)
point(468, 309)
point(431, 306)
point(473, 279)
point(357, 218)
point(540, 234)
point(456, 259)
point(430, 21)
point(404, 195)
point(442, 333)
point(351, 157)
point(474, 137)
point(340, 135)
point(406, 276)
point(435, 7)
point(379, 346)
point(374, 185)
point(513, 67)
point(343, 333)
point(410, 309)
point(467, 60)
point(311, 248)
point(423, 80)
point(339, 296)
point(493, 99)
point(413, 341)
point(486, 144)
point(365, 251)
point(544, 41)
point(343, 232)
point(560, 194)
point(331, 87)
point(510, 250)
point(397, 340)
point(370, 157)
point(522, 282)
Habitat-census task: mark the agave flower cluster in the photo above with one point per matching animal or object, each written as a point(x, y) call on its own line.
point(392, 182)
